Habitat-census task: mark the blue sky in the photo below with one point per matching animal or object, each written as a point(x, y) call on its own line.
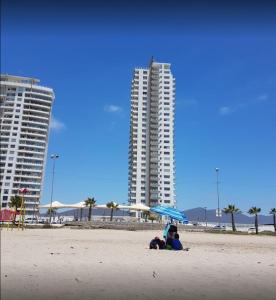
point(225, 98)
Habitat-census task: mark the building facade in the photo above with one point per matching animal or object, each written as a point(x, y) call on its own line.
point(25, 109)
point(151, 178)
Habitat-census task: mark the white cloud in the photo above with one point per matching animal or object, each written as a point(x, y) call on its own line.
point(112, 108)
point(226, 110)
point(56, 124)
point(262, 98)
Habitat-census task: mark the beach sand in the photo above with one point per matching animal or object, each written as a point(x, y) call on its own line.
point(112, 264)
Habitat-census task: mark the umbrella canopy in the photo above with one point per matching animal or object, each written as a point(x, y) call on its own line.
point(139, 206)
point(170, 212)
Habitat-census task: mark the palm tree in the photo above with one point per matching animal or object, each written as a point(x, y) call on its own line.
point(146, 215)
point(113, 206)
point(15, 202)
point(231, 209)
point(152, 218)
point(273, 212)
point(254, 211)
point(52, 211)
point(90, 202)
point(81, 214)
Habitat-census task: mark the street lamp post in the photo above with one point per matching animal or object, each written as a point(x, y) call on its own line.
point(205, 215)
point(23, 191)
point(218, 211)
point(53, 157)
point(124, 211)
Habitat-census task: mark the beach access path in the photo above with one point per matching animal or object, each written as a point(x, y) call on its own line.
point(114, 264)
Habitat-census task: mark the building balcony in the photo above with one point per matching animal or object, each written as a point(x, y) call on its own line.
point(35, 120)
point(38, 111)
point(36, 116)
point(27, 168)
point(34, 126)
point(35, 104)
point(38, 97)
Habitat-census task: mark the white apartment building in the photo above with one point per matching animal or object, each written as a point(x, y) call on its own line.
point(25, 112)
point(151, 147)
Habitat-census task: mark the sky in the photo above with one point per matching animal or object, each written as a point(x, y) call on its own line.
point(223, 59)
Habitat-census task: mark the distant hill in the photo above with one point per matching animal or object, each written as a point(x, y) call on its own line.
point(194, 215)
point(198, 215)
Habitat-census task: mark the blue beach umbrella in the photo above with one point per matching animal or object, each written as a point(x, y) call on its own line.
point(170, 212)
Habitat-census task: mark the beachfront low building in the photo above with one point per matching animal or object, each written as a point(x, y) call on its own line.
point(25, 115)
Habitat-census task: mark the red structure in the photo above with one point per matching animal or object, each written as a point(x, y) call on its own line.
point(7, 215)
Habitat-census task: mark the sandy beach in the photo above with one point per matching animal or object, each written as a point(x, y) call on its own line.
point(110, 264)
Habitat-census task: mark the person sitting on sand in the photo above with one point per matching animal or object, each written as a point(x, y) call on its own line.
point(169, 232)
point(157, 242)
point(176, 244)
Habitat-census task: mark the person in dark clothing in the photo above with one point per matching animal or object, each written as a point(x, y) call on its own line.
point(162, 245)
point(156, 242)
point(169, 233)
point(153, 243)
point(176, 244)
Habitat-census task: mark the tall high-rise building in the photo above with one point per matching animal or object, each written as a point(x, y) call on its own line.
point(151, 146)
point(25, 108)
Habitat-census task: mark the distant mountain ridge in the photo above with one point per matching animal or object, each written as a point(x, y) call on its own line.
point(194, 215)
point(198, 215)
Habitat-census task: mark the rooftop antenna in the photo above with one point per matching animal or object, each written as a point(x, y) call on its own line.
point(151, 60)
